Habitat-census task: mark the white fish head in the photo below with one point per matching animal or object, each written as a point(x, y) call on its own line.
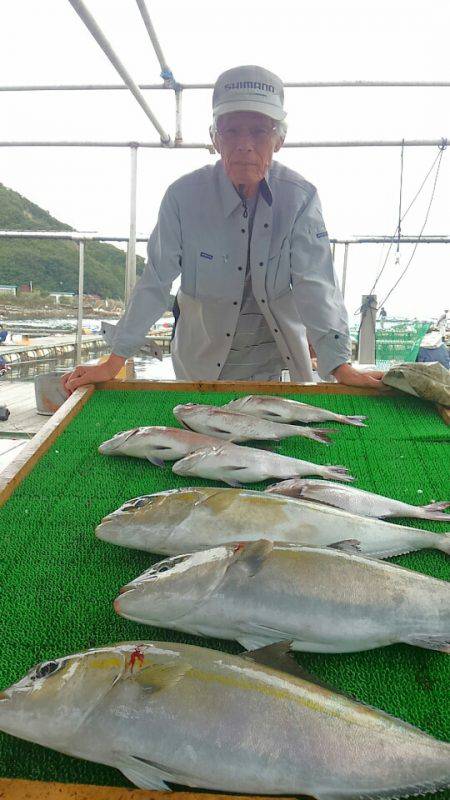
point(146, 522)
point(239, 404)
point(52, 701)
point(174, 587)
point(212, 462)
point(117, 442)
point(186, 410)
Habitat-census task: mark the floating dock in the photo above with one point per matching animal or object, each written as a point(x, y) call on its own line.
point(48, 347)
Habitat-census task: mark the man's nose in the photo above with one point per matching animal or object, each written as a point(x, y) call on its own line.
point(245, 141)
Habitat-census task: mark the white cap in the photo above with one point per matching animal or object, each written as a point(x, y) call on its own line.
point(249, 88)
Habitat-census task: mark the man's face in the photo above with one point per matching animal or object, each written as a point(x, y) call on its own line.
point(246, 141)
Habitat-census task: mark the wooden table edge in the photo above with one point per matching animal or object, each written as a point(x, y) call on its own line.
point(19, 789)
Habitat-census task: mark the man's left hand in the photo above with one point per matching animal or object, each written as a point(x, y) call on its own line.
point(350, 376)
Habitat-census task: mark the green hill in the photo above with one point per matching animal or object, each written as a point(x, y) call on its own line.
point(53, 265)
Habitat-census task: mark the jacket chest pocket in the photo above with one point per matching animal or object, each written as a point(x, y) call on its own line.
point(214, 275)
point(278, 275)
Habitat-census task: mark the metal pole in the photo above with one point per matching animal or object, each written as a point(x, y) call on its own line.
point(305, 85)
point(344, 270)
point(367, 341)
point(166, 72)
point(333, 250)
point(207, 146)
point(178, 117)
point(101, 39)
point(130, 273)
point(80, 298)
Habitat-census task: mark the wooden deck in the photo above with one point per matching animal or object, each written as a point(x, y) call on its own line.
point(19, 397)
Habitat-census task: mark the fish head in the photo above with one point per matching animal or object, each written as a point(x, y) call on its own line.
point(149, 519)
point(50, 704)
point(116, 444)
point(185, 410)
point(226, 462)
point(173, 588)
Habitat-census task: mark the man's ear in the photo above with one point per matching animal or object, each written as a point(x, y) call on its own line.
point(278, 145)
point(214, 139)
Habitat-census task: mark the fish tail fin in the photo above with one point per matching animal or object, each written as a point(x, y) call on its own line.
point(338, 473)
point(356, 420)
point(443, 543)
point(435, 511)
point(316, 434)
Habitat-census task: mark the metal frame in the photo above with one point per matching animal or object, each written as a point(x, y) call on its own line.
point(169, 83)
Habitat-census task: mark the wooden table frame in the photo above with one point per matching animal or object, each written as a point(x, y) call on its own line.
point(13, 475)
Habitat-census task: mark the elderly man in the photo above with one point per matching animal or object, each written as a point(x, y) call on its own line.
point(248, 238)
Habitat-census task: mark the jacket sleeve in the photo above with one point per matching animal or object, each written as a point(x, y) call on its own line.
point(151, 294)
point(316, 290)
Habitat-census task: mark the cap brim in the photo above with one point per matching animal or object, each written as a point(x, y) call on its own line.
point(272, 111)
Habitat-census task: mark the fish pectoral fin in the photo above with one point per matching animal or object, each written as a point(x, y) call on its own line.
point(440, 643)
point(143, 773)
point(251, 643)
point(352, 546)
point(155, 677)
point(157, 462)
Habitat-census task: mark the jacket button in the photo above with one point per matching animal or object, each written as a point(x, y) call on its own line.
point(266, 224)
point(228, 334)
point(336, 336)
point(235, 302)
point(240, 269)
point(275, 330)
point(218, 364)
point(261, 263)
point(288, 358)
point(263, 301)
point(243, 230)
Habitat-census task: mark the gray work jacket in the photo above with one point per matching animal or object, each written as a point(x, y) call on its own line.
point(202, 234)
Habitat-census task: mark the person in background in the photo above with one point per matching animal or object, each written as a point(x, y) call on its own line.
point(432, 346)
point(248, 238)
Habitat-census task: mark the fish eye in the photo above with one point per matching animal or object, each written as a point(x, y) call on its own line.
point(46, 669)
point(138, 502)
point(164, 568)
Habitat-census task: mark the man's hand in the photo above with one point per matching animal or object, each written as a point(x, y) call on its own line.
point(350, 376)
point(95, 373)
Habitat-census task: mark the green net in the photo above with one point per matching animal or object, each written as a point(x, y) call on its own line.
point(398, 342)
point(58, 581)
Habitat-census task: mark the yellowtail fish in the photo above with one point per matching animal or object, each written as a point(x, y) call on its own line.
point(195, 518)
point(322, 599)
point(166, 713)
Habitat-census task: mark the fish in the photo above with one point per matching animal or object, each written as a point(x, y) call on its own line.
point(217, 421)
point(234, 464)
point(194, 518)
point(279, 409)
point(321, 599)
point(165, 712)
point(358, 501)
point(155, 443)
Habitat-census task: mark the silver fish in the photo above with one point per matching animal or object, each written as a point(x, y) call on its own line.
point(357, 501)
point(234, 464)
point(325, 600)
point(195, 518)
point(279, 409)
point(217, 421)
point(155, 443)
point(165, 712)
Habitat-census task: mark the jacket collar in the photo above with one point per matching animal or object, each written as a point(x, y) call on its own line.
point(229, 195)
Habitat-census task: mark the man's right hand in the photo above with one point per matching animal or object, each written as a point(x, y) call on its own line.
point(95, 373)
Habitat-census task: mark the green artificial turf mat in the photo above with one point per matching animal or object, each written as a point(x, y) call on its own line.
point(58, 581)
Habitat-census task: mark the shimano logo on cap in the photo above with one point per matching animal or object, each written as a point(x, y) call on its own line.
point(263, 87)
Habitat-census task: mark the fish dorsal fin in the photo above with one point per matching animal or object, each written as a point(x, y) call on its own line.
point(154, 677)
point(250, 556)
point(279, 656)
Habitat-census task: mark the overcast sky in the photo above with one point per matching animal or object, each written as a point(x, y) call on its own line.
point(45, 42)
